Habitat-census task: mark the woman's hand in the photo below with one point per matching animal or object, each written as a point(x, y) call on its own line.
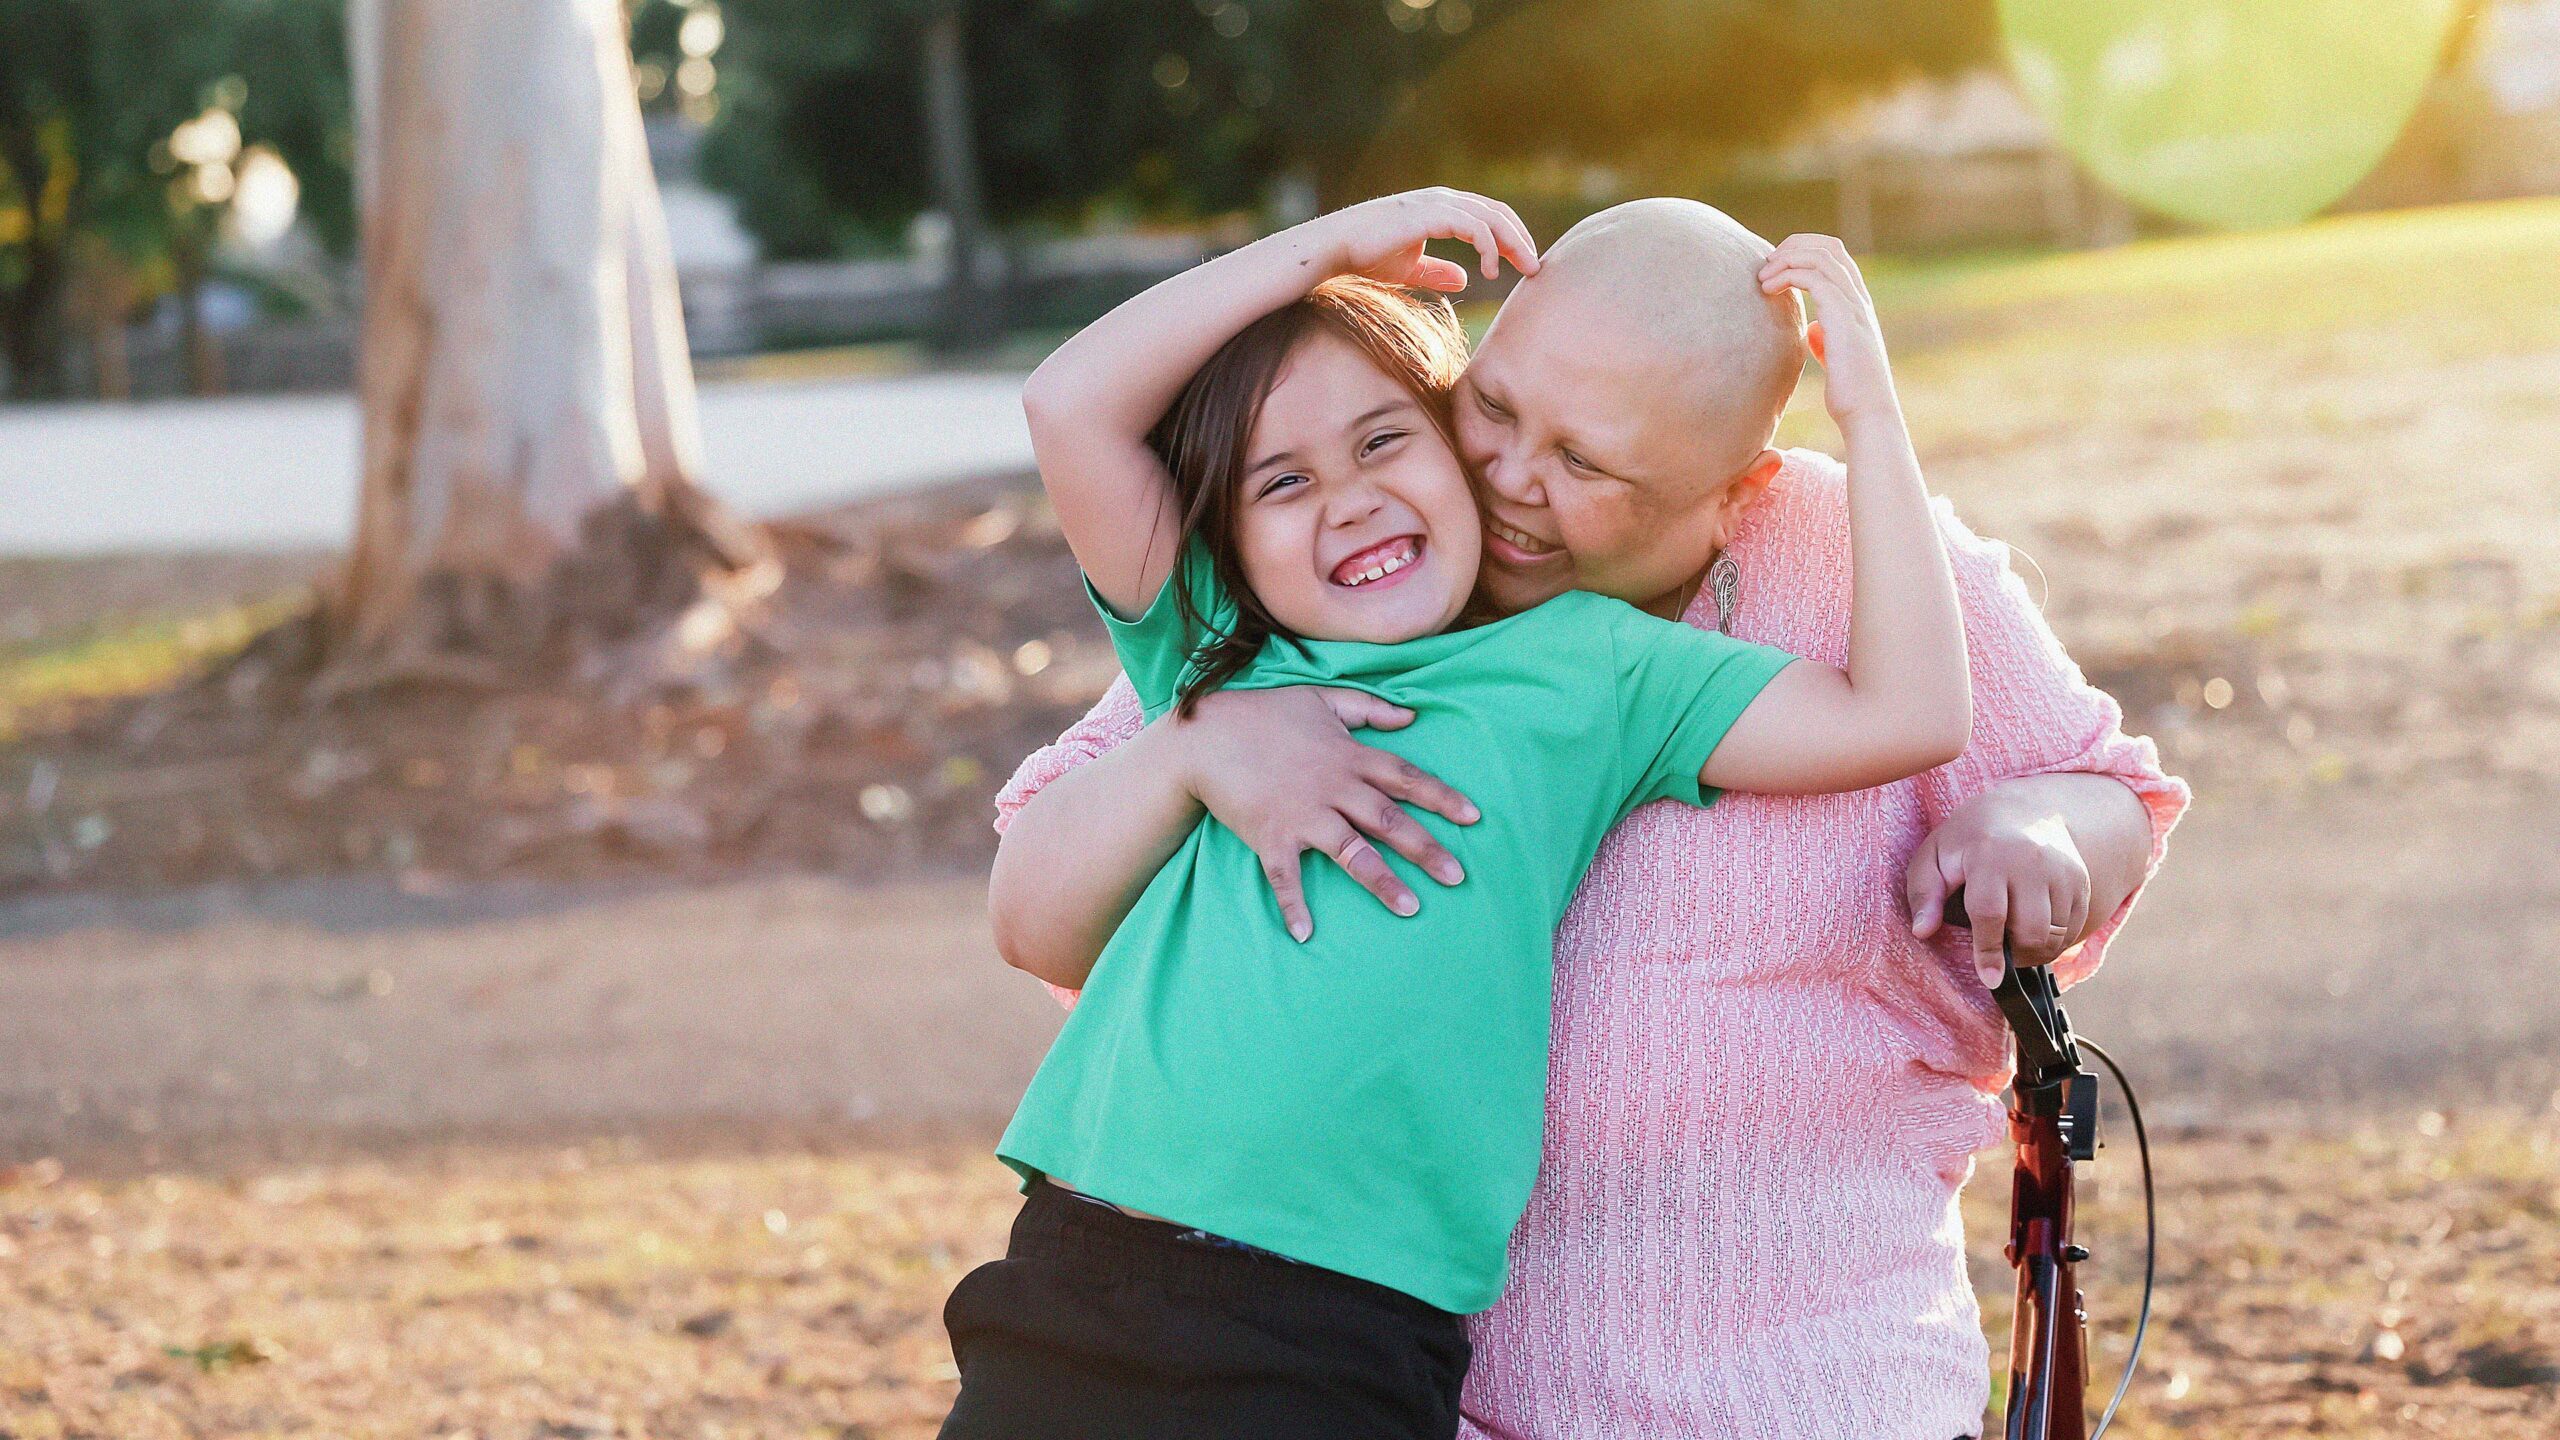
point(1281, 769)
point(2022, 875)
point(1384, 238)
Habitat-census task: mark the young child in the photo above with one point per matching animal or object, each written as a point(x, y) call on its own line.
point(1265, 1178)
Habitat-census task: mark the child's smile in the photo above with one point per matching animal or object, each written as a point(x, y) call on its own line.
point(1378, 566)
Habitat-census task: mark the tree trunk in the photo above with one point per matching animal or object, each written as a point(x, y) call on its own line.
point(199, 348)
point(31, 319)
point(530, 441)
point(104, 293)
point(971, 311)
point(33, 323)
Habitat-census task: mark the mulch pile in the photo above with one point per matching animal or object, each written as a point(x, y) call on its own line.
point(920, 647)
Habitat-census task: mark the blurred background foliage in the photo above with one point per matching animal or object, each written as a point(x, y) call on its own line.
point(1088, 109)
point(140, 140)
point(102, 181)
point(1081, 110)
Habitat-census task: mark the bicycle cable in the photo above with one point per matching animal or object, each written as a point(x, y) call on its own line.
point(2150, 1230)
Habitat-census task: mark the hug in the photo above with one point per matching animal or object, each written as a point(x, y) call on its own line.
point(1608, 1072)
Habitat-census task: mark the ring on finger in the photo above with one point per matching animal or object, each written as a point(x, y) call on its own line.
point(1350, 848)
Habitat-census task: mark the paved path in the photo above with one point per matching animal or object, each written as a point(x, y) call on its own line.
point(279, 472)
point(2296, 962)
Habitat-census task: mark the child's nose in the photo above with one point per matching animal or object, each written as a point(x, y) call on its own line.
point(1353, 503)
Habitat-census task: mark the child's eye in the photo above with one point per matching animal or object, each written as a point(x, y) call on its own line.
point(1380, 441)
point(1278, 483)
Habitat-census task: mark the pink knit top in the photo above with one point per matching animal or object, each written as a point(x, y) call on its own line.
point(1764, 1093)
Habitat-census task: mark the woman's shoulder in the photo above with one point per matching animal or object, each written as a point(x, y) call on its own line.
point(1806, 510)
point(1795, 542)
point(1808, 500)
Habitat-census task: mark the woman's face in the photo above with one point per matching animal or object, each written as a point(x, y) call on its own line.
point(1355, 520)
point(1590, 466)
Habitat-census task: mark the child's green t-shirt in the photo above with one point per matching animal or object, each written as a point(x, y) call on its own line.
point(1372, 1101)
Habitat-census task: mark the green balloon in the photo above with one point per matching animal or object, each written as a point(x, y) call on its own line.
point(2229, 113)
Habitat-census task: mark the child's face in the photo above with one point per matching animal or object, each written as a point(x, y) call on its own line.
point(1355, 521)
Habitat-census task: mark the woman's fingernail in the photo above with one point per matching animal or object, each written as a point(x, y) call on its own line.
point(1452, 873)
point(1299, 930)
point(1468, 814)
point(1407, 905)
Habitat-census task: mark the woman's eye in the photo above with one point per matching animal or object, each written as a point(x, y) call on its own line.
point(1491, 406)
point(1576, 461)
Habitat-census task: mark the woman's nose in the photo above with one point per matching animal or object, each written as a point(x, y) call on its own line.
point(1504, 475)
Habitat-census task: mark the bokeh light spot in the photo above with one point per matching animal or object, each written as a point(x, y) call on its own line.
point(2227, 114)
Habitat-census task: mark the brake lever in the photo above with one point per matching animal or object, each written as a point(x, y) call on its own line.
point(2048, 1059)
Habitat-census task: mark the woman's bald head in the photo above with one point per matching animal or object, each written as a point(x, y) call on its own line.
point(1673, 286)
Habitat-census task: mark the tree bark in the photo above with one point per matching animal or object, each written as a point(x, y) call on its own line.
point(971, 310)
point(31, 322)
point(531, 448)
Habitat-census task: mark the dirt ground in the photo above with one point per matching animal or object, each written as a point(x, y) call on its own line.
point(2361, 1285)
point(483, 1069)
point(201, 1025)
point(331, 1159)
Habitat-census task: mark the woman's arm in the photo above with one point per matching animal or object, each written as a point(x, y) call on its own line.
point(1092, 403)
point(1278, 767)
point(1073, 861)
point(1903, 704)
point(2053, 816)
point(2042, 859)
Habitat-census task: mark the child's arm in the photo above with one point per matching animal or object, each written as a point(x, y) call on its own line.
point(1904, 704)
point(1093, 402)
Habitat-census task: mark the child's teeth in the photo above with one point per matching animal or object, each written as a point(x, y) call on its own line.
point(1382, 569)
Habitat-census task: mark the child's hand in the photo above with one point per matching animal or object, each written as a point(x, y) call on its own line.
point(1383, 238)
point(1857, 379)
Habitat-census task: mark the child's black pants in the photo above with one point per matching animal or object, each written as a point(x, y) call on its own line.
point(1102, 1324)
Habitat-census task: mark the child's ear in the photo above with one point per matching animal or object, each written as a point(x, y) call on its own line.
point(1813, 338)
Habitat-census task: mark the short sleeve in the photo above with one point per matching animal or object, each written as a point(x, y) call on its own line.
point(1680, 689)
point(2035, 714)
point(1156, 647)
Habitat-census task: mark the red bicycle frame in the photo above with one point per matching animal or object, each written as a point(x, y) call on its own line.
point(2053, 1118)
point(2049, 1330)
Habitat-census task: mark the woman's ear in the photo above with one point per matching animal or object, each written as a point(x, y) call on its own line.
point(1754, 480)
point(1744, 491)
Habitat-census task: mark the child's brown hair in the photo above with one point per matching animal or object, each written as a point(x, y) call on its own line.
point(1202, 439)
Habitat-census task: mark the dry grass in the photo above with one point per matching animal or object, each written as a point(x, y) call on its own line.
point(2382, 1283)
